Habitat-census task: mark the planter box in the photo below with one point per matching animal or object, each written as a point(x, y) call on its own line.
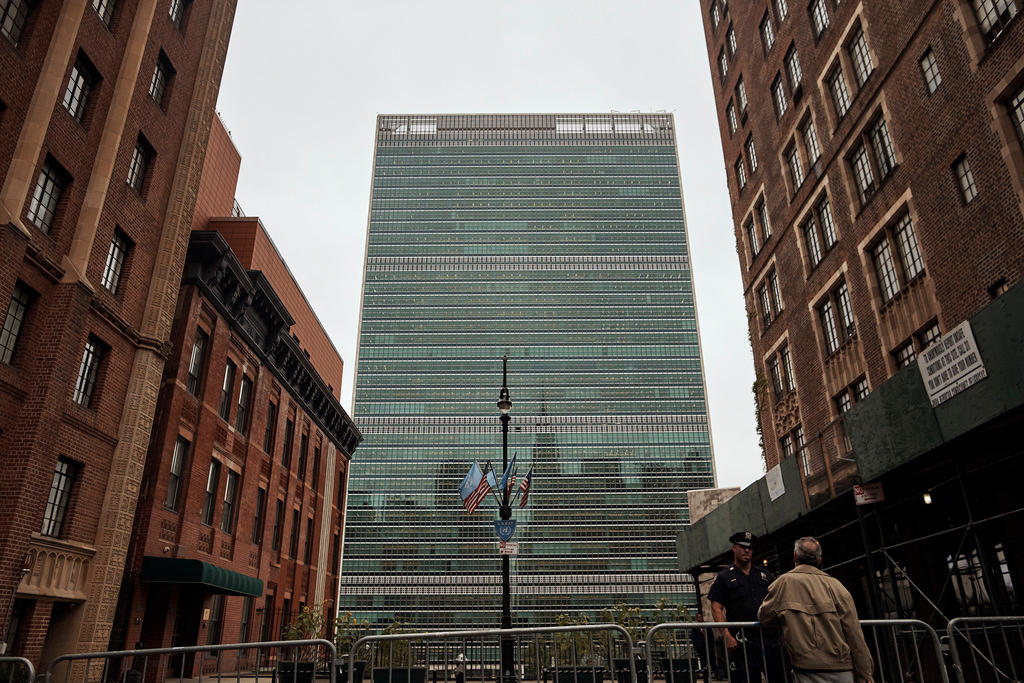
point(622, 674)
point(568, 674)
point(341, 671)
point(681, 670)
point(399, 675)
point(296, 672)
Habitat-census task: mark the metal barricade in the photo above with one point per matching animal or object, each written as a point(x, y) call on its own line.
point(283, 661)
point(16, 670)
point(904, 651)
point(986, 648)
point(582, 653)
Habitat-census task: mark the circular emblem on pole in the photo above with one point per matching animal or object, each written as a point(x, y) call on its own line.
point(504, 528)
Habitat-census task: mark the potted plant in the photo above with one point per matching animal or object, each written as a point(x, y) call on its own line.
point(678, 659)
point(308, 625)
point(636, 624)
point(392, 660)
point(347, 632)
point(576, 659)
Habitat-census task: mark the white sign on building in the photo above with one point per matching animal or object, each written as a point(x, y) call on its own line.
point(951, 364)
point(774, 480)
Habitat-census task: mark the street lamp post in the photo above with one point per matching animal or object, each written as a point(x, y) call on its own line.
point(507, 645)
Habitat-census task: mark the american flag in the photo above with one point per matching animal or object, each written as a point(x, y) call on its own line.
point(524, 488)
point(474, 488)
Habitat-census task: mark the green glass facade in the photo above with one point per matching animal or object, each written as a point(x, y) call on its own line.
point(560, 241)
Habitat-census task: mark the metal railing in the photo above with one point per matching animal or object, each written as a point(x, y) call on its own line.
point(582, 653)
point(986, 648)
point(10, 668)
point(287, 661)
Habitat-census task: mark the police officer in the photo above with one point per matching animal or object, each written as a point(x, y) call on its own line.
point(735, 595)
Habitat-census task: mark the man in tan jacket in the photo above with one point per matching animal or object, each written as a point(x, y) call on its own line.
point(820, 628)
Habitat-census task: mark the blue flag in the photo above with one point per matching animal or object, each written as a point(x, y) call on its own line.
point(474, 488)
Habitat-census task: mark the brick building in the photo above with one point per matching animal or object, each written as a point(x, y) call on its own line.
point(874, 159)
point(240, 518)
point(105, 111)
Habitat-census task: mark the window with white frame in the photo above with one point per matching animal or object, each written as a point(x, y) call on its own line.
point(55, 514)
point(195, 362)
point(751, 154)
point(860, 56)
point(994, 16)
point(227, 511)
point(13, 17)
point(793, 70)
point(741, 95)
point(819, 17)
point(244, 405)
point(117, 255)
point(779, 96)
point(142, 157)
point(741, 174)
point(730, 41)
point(80, 84)
point(716, 15)
point(227, 389)
point(730, 115)
point(896, 257)
point(88, 370)
point(781, 10)
point(796, 169)
point(965, 178)
point(723, 64)
point(174, 479)
point(930, 71)
point(21, 297)
point(840, 95)
point(42, 209)
point(767, 33)
point(104, 10)
point(210, 499)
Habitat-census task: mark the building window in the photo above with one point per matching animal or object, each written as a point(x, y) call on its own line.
point(275, 538)
point(730, 115)
point(862, 173)
point(836, 315)
point(860, 57)
point(929, 335)
point(779, 96)
point(723, 64)
point(117, 254)
point(341, 490)
point(994, 16)
point(162, 75)
point(857, 391)
point(307, 556)
point(289, 435)
point(793, 69)
point(303, 455)
point(796, 170)
point(823, 210)
point(104, 10)
point(730, 40)
point(787, 368)
point(244, 400)
point(814, 251)
point(762, 215)
point(882, 145)
point(213, 628)
point(767, 33)
point(227, 512)
point(741, 95)
point(751, 154)
point(741, 174)
point(755, 246)
point(962, 171)
point(177, 468)
point(243, 627)
point(177, 12)
point(1017, 113)
point(227, 390)
point(770, 297)
point(46, 196)
point(860, 389)
point(911, 264)
point(60, 493)
point(780, 369)
point(13, 15)
point(270, 432)
point(195, 363)
point(905, 355)
point(142, 158)
point(20, 299)
point(81, 82)
point(781, 10)
point(316, 467)
point(335, 547)
point(210, 500)
point(843, 401)
point(92, 356)
point(840, 95)
point(930, 71)
point(810, 136)
point(293, 541)
point(258, 516)
point(716, 16)
point(819, 17)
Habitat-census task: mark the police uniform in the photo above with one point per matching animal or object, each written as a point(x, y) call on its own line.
point(741, 594)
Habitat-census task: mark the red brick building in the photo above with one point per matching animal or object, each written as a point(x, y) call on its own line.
point(241, 516)
point(876, 172)
point(105, 111)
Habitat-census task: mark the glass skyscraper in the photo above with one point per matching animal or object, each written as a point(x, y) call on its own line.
point(559, 240)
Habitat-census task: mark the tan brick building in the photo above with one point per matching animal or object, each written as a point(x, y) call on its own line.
point(105, 111)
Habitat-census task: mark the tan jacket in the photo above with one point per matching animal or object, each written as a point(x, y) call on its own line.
point(819, 621)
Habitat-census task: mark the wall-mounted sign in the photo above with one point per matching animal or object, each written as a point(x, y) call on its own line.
point(866, 494)
point(951, 364)
point(774, 480)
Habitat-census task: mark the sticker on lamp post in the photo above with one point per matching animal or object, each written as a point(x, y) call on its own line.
point(508, 548)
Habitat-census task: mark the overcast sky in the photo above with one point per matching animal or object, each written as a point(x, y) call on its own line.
point(302, 88)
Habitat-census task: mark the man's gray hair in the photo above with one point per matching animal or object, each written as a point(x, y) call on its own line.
point(807, 550)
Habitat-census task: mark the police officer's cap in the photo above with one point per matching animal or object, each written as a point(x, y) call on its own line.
point(744, 539)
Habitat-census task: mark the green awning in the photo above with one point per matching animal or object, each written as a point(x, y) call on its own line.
point(215, 579)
